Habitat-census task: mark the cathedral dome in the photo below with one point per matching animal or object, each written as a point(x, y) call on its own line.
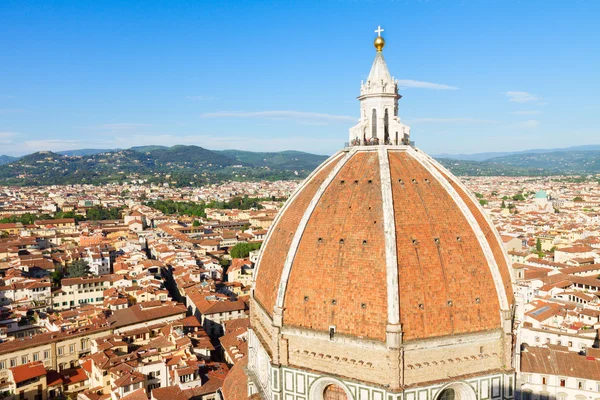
point(381, 269)
point(382, 235)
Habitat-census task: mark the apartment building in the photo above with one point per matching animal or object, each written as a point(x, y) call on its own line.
point(85, 290)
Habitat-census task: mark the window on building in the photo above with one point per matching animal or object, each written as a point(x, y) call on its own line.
point(36, 356)
point(61, 350)
point(13, 362)
point(570, 343)
point(24, 359)
point(46, 354)
point(537, 339)
point(563, 382)
point(547, 340)
point(126, 388)
point(2, 365)
point(558, 342)
point(581, 385)
point(544, 380)
point(72, 348)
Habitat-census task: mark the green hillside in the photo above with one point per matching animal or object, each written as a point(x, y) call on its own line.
point(295, 160)
point(177, 165)
point(6, 159)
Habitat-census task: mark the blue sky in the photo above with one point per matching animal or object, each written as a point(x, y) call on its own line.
point(477, 75)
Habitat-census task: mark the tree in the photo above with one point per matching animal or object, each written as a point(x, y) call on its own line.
point(196, 223)
point(578, 198)
point(57, 275)
point(479, 195)
point(538, 245)
point(483, 202)
point(503, 205)
point(78, 268)
point(518, 197)
point(242, 250)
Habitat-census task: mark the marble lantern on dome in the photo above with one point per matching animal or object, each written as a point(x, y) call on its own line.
point(379, 121)
point(381, 278)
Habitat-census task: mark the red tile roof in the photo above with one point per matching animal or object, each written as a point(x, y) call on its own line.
point(28, 371)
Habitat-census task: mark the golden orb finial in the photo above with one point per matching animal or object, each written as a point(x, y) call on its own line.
point(379, 42)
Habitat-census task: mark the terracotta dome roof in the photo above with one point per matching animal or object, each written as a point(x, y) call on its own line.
point(379, 236)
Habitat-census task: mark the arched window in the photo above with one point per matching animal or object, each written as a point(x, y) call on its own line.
point(334, 392)
point(447, 394)
point(386, 127)
point(374, 124)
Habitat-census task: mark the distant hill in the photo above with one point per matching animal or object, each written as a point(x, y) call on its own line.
point(530, 164)
point(190, 155)
point(194, 165)
point(145, 149)
point(279, 160)
point(488, 156)
point(6, 159)
point(84, 152)
point(177, 165)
